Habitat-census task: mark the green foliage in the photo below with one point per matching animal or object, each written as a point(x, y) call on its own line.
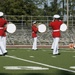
point(14, 7)
point(20, 7)
point(36, 7)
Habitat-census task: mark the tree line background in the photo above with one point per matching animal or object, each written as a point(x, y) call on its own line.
point(36, 7)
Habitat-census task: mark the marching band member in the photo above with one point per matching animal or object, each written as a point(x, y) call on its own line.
point(55, 25)
point(34, 35)
point(3, 50)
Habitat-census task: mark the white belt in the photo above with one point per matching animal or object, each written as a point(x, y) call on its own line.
point(1, 27)
point(56, 30)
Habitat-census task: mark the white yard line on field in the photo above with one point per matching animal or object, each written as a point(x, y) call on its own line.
point(67, 51)
point(42, 64)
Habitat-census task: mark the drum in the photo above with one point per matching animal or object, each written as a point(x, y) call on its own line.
point(63, 27)
point(11, 28)
point(41, 28)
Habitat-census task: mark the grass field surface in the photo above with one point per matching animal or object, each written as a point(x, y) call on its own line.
point(39, 62)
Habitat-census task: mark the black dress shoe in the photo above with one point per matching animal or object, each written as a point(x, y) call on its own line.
point(5, 54)
point(57, 54)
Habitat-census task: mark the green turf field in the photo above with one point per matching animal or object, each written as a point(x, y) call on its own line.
point(40, 62)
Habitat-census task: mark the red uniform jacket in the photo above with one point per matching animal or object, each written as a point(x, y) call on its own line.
point(34, 31)
point(2, 27)
point(56, 28)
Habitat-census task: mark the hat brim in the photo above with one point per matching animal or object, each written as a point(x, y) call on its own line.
point(56, 16)
point(34, 22)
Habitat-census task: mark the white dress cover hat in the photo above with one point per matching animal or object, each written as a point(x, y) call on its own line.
point(56, 16)
point(1, 14)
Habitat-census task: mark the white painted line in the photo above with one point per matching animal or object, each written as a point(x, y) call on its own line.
point(73, 56)
point(46, 65)
point(12, 50)
point(43, 50)
point(54, 56)
point(72, 67)
point(67, 51)
point(28, 50)
point(31, 56)
point(25, 68)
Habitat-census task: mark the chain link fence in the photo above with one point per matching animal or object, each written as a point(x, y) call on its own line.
point(22, 36)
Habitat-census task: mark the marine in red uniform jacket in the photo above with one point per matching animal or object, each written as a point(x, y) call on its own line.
point(56, 27)
point(2, 27)
point(34, 30)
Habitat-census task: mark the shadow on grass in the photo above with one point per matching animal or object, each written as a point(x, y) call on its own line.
point(65, 73)
point(54, 73)
point(22, 74)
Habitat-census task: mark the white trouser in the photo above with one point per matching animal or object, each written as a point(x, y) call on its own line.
point(55, 45)
point(34, 47)
point(4, 42)
point(2, 45)
point(52, 47)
